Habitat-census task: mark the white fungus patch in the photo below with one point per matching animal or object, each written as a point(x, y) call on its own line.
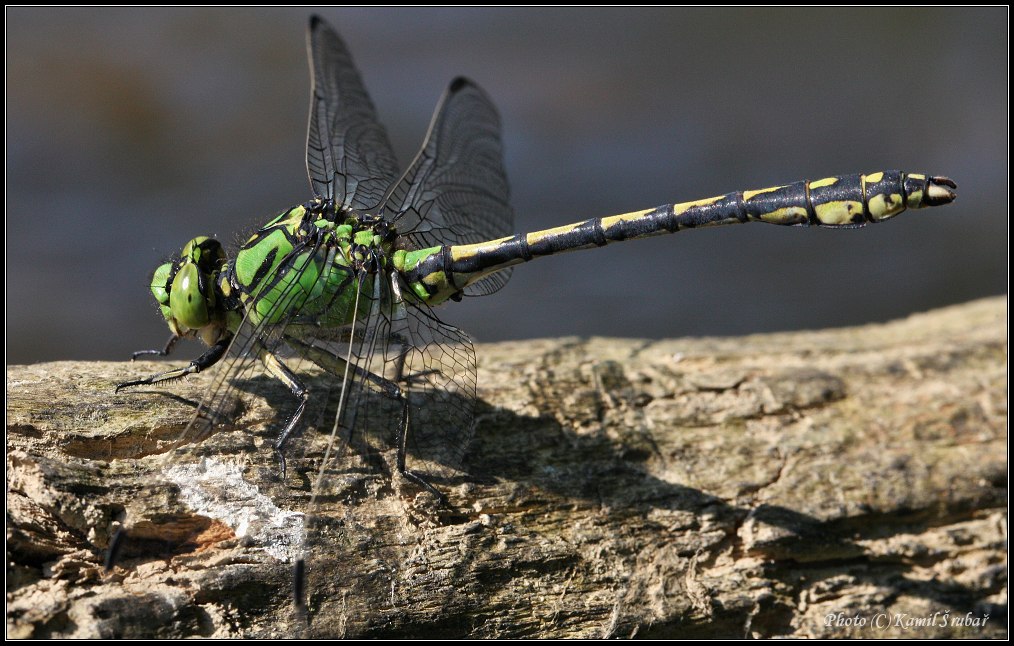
point(217, 490)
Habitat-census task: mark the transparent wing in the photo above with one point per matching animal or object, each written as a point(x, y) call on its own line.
point(429, 413)
point(381, 374)
point(387, 382)
point(348, 156)
point(283, 303)
point(411, 384)
point(456, 191)
point(437, 363)
point(223, 464)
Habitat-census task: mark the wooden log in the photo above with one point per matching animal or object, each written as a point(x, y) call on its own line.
point(839, 483)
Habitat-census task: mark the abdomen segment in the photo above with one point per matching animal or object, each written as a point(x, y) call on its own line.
point(439, 273)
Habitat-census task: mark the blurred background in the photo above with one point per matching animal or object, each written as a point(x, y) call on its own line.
point(129, 131)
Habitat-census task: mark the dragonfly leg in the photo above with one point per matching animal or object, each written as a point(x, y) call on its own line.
point(164, 352)
point(203, 362)
point(281, 372)
point(336, 365)
point(399, 366)
point(403, 428)
point(405, 425)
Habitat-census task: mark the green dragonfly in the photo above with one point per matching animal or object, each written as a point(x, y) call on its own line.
point(345, 284)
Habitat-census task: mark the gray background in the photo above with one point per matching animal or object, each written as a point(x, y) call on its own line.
point(131, 131)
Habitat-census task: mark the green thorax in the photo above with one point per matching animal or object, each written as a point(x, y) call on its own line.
point(309, 260)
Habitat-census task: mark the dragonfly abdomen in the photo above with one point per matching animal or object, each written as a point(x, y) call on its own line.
point(845, 201)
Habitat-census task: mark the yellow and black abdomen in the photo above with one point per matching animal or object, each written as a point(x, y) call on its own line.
point(439, 273)
point(846, 201)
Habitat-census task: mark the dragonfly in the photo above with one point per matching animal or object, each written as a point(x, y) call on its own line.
point(344, 285)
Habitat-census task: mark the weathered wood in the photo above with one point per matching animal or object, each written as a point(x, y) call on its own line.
point(730, 487)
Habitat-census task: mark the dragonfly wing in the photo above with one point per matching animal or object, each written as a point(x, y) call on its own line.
point(348, 156)
point(222, 464)
point(456, 191)
point(408, 373)
point(435, 364)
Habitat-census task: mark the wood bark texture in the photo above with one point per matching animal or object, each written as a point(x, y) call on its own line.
point(838, 483)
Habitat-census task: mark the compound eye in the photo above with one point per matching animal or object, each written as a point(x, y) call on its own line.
point(160, 283)
point(187, 303)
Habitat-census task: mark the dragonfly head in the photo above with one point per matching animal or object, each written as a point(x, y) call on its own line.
point(187, 294)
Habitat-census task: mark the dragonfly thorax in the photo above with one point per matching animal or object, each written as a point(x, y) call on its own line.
point(371, 240)
point(313, 257)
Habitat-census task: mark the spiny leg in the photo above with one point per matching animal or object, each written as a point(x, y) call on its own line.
point(164, 352)
point(399, 364)
point(336, 365)
point(340, 367)
point(402, 451)
point(403, 427)
point(210, 357)
point(282, 372)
